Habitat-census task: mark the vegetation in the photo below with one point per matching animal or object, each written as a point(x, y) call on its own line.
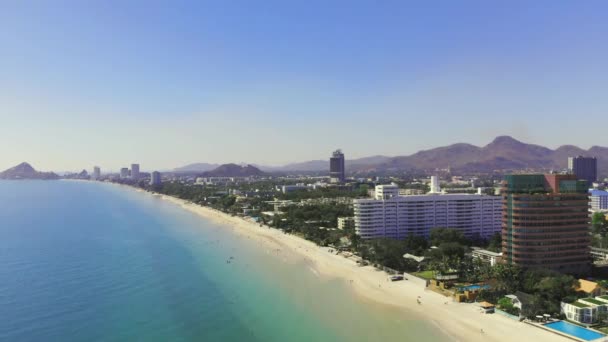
point(445, 250)
point(599, 225)
point(505, 304)
point(299, 195)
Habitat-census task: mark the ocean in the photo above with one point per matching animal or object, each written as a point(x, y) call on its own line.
point(87, 261)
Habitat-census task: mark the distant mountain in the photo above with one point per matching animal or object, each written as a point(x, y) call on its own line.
point(234, 170)
point(323, 165)
point(311, 165)
point(502, 154)
point(196, 167)
point(26, 171)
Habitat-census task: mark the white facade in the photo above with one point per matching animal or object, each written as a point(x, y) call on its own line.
point(393, 216)
point(346, 222)
point(289, 188)
point(599, 200)
point(489, 257)
point(135, 171)
point(435, 186)
point(585, 310)
point(384, 192)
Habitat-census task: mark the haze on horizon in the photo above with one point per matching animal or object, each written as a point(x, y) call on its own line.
point(271, 82)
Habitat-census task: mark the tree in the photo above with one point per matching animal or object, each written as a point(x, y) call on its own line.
point(599, 225)
point(495, 243)
point(507, 277)
point(440, 235)
point(506, 304)
point(416, 244)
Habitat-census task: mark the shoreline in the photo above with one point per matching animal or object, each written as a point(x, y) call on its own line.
point(459, 321)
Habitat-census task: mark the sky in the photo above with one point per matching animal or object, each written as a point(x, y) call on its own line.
point(168, 83)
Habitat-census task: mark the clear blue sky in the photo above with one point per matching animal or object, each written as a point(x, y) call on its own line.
point(166, 83)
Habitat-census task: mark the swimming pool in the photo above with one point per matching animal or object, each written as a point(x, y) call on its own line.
point(473, 287)
point(574, 330)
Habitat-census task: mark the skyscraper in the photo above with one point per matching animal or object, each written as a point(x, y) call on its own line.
point(135, 171)
point(96, 173)
point(124, 173)
point(155, 178)
point(545, 222)
point(584, 168)
point(336, 167)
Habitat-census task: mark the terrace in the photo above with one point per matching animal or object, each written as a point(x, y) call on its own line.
point(592, 301)
point(580, 305)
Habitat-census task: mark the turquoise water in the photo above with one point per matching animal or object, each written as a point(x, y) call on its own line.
point(84, 261)
point(574, 330)
point(473, 287)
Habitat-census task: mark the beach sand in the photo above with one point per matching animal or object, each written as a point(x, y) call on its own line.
point(461, 321)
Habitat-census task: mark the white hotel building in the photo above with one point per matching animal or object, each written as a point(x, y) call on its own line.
point(393, 216)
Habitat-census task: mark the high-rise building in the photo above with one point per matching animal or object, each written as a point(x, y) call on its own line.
point(584, 168)
point(135, 171)
point(96, 173)
point(599, 200)
point(435, 186)
point(546, 222)
point(336, 167)
point(155, 178)
point(124, 173)
point(393, 216)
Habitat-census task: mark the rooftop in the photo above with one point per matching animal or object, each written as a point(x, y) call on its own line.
point(580, 305)
point(586, 286)
point(596, 192)
point(593, 301)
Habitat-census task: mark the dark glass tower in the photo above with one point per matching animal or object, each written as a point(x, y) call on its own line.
point(336, 167)
point(584, 168)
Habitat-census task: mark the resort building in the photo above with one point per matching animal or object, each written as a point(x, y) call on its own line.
point(489, 257)
point(584, 168)
point(291, 188)
point(585, 310)
point(599, 199)
point(599, 255)
point(337, 172)
point(546, 222)
point(589, 288)
point(346, 222)
point(393, 216)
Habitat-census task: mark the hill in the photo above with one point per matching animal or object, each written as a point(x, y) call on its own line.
point(234, 170)
point(26, 171)
point(196, 167)
point(503, 154)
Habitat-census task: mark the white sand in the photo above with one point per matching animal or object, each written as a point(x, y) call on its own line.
point(463, 322)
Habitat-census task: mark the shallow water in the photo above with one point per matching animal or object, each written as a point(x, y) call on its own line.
point(86, 261)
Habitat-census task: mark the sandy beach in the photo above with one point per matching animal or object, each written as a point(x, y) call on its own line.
point(463, 322)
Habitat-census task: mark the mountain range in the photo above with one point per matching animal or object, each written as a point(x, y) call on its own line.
point(503, 154)
point(233, 170)
point(26, 171)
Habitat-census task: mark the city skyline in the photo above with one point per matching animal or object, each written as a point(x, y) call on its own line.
point(171, 85)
